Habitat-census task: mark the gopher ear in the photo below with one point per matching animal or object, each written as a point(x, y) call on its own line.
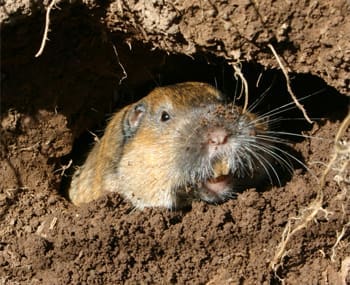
point(133, 119)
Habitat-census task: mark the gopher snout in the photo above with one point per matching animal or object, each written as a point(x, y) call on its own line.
point(217, 136)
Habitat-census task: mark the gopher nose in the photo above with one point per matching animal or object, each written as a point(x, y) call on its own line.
point(217, 136)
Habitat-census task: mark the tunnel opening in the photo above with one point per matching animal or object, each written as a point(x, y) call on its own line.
point(267, 92)
point(86, 74)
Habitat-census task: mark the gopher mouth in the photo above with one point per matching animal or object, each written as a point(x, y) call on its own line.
point(216, 188)
point(218, 185)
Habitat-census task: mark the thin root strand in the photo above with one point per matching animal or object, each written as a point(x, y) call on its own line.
point(289, 88)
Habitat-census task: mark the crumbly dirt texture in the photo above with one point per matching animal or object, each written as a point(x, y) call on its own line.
point(102, 55)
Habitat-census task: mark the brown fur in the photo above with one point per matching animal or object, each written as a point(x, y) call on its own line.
point(141, 168)
point(179, 143)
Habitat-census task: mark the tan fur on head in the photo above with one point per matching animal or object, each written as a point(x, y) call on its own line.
point(135, 169)
point(156, 149)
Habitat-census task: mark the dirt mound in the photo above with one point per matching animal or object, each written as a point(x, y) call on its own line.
point(104, 54)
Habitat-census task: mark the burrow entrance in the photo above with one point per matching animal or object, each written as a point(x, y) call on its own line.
point(87, 74)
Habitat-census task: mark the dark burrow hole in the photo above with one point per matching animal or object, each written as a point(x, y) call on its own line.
point(321, 101)
point(81, 76)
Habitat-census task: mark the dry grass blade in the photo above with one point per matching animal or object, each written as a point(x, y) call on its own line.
point(289, 88)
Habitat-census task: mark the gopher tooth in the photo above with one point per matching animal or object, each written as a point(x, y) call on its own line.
point(221, 168)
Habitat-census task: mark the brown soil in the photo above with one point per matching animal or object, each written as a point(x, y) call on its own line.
point(50, 103)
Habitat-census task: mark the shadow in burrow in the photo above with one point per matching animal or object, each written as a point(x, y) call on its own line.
point(267, 89)
point(81, 76)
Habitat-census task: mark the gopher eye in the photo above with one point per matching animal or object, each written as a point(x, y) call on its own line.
point(164, 116)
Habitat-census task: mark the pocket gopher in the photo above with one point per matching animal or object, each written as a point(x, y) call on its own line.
point(179, 143)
